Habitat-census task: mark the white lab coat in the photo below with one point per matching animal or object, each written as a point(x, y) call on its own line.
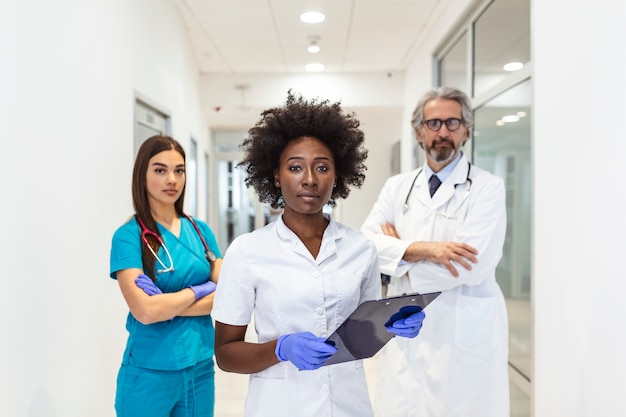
point(271, 274)
point(457, 365)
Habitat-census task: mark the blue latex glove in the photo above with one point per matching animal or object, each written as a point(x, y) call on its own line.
point(147, 285)
point(204, 289)
point(407, 322)
point(304, 350)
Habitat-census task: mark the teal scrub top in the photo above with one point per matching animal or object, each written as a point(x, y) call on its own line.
point(183, 341)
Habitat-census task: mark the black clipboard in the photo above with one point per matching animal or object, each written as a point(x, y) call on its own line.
point(364, 333)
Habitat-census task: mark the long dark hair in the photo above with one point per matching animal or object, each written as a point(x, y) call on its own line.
point(152, 146)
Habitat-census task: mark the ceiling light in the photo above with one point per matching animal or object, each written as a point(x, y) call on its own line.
point(521, 113)
point(314, 67)
point(513, 66)
point(499, 123)
point(313, 47)
point(511, 118)
point(312, 17)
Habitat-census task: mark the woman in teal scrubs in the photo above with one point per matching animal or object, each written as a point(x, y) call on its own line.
point(166, 265)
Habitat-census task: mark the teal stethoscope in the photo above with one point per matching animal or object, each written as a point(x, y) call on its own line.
point(446, 215)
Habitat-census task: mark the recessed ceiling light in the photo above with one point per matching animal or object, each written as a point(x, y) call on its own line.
point(312, 17)
point(511, 118)
point(500, 123)
point(521, 113)
point(513, 66)
point(313, 48)
point(314, 67)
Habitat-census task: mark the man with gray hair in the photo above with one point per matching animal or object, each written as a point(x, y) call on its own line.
point(441, 228)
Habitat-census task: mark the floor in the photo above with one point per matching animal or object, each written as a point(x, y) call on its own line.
point(230, 393)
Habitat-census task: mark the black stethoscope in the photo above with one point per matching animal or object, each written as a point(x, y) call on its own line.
point(467, 179)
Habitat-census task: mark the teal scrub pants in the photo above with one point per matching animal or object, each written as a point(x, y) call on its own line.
point(143, 392)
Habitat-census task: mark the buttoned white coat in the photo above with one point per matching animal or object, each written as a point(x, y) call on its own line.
point(457, 365)
point(270, 274)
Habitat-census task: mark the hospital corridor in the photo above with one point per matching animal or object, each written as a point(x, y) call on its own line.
point(84, 84)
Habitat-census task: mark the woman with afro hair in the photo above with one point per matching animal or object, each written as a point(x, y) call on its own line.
point(302, 275)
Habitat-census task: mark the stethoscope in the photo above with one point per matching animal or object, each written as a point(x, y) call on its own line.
point(446, 215)
point(209, 255)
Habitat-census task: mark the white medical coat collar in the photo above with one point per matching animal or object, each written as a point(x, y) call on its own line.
point(447, 188)
point(332, 234)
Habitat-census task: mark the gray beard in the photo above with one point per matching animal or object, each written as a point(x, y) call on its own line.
point(443, 156)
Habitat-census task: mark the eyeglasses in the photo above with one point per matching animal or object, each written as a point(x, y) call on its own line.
point(452, 124)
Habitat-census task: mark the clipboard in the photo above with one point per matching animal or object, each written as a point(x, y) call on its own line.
point(364, 333)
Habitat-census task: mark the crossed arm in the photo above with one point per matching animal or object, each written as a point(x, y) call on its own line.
point(442, 253)
point(149, 309)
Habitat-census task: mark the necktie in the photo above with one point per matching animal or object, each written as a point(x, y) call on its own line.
point(434, 184)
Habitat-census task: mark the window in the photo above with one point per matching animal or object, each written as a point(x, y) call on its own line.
point(504, 149)
point(501, 37)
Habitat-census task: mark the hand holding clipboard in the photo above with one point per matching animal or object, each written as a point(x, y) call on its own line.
point(364, 333)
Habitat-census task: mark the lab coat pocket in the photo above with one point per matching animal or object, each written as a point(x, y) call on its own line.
point(475, 322)
point(446, 225)
point(278, 371)
point(267, 393)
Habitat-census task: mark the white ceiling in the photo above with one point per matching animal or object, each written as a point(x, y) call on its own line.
point(240, 44)
point(266, 36)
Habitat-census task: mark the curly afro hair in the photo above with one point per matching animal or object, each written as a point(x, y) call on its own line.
point(322, 120)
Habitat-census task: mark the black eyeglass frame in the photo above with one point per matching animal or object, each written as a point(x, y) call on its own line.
point(440, 123)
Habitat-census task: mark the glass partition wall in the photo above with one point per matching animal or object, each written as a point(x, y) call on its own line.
point(504, 149)
point(489, 58)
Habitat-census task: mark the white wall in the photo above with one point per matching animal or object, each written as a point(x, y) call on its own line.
point(67, 81)
point(263, 91)
point(579, 223)
point(382, 128)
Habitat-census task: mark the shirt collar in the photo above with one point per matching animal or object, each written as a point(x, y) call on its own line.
point(445, 171)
